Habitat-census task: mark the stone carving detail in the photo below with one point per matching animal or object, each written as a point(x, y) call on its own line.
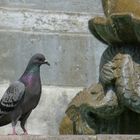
point(113, 104)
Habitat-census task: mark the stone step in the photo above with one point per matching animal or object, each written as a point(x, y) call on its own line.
point(72, 137)
point(116, 137)
point(37, 137)
point(44, 21)
point(89, 6)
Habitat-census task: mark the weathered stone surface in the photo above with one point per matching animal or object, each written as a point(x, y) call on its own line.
point(43, 137)
point(72, 137)
point(25, 31)
point(90, 6)
point(57, 35)
point(118, 137)
point(74, 59)
point(43, 21)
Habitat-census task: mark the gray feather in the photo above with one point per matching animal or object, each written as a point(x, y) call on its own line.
point(12, 97)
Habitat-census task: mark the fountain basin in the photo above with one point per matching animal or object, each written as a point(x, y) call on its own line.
point(117, 28)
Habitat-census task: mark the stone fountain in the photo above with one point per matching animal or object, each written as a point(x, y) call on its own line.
point(112, 106)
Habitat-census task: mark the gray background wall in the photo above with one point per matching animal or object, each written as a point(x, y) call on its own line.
point(59, 30)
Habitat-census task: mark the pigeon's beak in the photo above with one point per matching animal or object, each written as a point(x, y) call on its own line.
point(46, 62)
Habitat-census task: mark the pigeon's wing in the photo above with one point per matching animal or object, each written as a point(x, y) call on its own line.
point(12, 97)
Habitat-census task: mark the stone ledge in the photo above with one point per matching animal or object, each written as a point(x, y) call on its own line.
point(44, 21)
point(90, 6)
point(72, 137)
point(117, 137)
point(43, 137)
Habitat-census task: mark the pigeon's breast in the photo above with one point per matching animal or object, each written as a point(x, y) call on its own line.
point(32, 93)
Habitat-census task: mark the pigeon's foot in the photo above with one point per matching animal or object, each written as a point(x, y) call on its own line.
point(25, 133)
point(13, 134)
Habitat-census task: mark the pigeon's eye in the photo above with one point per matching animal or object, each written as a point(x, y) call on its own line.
point(40, 59)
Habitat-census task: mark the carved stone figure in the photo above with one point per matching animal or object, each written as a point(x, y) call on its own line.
point(113, 104)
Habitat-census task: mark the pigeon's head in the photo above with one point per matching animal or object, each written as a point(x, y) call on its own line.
point(39, 59)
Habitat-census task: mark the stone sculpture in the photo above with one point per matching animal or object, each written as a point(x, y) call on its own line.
point(113, 104)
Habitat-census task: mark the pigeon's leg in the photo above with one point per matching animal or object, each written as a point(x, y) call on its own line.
point(23, 121)
point(14, 131)
point(13, 128)
point(15, 118)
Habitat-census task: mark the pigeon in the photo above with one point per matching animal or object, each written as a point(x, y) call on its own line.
point(23, 95)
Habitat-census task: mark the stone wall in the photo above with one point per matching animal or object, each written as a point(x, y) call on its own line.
point(59, 30)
